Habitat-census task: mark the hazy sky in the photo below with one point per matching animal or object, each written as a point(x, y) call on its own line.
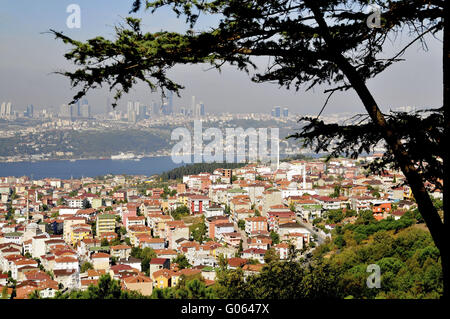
point(28, 56)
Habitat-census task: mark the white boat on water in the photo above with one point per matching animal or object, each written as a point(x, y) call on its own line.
point(123, 156)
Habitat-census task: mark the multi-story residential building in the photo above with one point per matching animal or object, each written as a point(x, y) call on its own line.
point(134, 221)
point(158, 264)
point(136, 230)
point(105, 223)
point(75, 202)
point(223, 228)
point(38, 247)
point(175, 230)
point(211, 224)
point(198, 204)
point(80, 232)
point(66, 263)
point(69, 222)
point(144, 241)
point(120, 251)
point(254, 253)
point(277, 218)
point(255, 224)
point(100, 261)
point(213, 210)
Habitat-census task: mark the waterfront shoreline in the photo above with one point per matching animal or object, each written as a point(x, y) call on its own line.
point(66, 169)
point(78, 159)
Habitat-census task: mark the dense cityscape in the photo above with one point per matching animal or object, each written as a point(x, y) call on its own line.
point(60, 236)
point(205, 159)
point(145, 131)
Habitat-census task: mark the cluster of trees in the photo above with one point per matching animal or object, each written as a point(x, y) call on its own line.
point(279, 280)
point(362, 231)
point(296, 157)
point(167, 192)
point(106, 288)
point(186, 289)
point(86, 266)
point(336, 192)
point(179, 212)
point(192, 169)
point(198, 231)
point(275, 237)
point(374, 191)
point(409, 263)
point(9, 212)
point(181, 261)
point(145, 255)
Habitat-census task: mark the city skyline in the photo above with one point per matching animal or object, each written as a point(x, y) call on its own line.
point(164, 107)
point(29, 56)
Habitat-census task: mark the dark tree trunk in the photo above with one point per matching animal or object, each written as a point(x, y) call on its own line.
point(446, 100)
point(414, 179)
point(423, 200)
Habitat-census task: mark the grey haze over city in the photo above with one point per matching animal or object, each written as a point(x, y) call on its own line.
point(28, 56)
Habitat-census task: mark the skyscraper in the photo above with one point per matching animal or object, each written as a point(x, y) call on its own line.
point(165, 109)
point(277, 110)
point(193, 105)
point(30, 110)
point(85, 110)
point(3, 109)
point(6, 109)
point(131, 111)
point(202, 109)
point(142, 111)
point(285, 112)
point(75, 110)
point(66, 111)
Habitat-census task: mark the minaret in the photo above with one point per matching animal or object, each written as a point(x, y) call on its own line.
point(304, 176)
point(278, 154)
point(28, 209)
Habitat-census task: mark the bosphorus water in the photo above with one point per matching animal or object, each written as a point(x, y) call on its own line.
point(66, 169)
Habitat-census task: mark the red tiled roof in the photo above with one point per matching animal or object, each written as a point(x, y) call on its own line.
point(99, 255)
point(236, 261)
point(158, 261)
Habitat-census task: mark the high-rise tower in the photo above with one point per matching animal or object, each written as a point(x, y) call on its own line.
point(193, 105)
